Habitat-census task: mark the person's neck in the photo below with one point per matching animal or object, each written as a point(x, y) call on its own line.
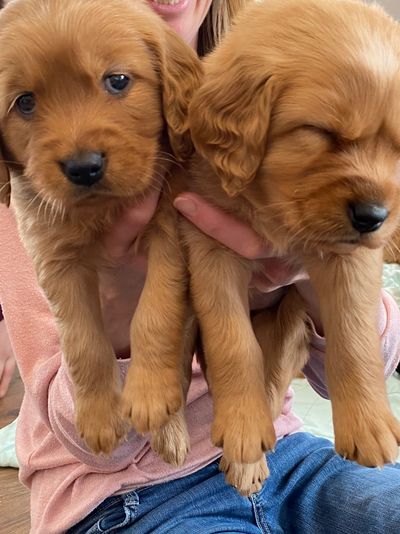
point(194, 42)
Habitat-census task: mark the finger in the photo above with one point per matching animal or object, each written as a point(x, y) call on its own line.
point(223, 227)
point(7, 375)
point(134, 219)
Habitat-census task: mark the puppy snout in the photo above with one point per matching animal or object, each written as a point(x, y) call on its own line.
point(86, 168)
point(367, 217)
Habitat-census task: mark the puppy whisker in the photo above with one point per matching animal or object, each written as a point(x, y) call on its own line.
point(38, 195)
point(283, 203)
point(10, 162)
point(3, 187)
point(169, 158)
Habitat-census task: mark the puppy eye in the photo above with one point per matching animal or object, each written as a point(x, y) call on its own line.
point(324, 132)
point(26, 104)
point(317, 129)
point(116, 83)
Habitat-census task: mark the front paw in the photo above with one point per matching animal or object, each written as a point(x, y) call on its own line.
point(370, 438)
point(100, 423)
point(172, 442)
point(150, 400)
point(243, 427)
point(246, 478)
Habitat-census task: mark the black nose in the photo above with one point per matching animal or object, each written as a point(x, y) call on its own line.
point(367, 217)
point(86, 168)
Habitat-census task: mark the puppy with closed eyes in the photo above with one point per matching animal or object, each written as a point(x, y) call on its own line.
point(87, 93)
point(297, 124)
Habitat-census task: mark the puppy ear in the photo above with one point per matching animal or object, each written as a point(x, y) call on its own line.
point(5, 188)
point(181, 73)
point(229, 119)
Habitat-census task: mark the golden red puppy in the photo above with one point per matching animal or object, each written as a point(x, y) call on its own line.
point(86, 94)
point(298, 126)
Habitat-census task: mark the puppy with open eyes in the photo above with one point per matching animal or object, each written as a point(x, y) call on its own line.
point(86, 96)
point(297, 123)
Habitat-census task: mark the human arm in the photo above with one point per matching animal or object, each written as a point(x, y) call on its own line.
point(7, 359)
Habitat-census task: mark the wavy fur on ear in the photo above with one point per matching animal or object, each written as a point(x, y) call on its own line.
point(229, 118)
point(181, 74)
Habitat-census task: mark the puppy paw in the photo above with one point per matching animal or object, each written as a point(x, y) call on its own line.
point(244, 429)
point(100, 423)
point(149, 401)
point(246, 478)
point(369, 441)
point(172, 441)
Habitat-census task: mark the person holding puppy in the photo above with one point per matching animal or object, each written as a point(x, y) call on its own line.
point(133, 490)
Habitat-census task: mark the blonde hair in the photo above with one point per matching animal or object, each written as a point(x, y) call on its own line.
point(216, 23)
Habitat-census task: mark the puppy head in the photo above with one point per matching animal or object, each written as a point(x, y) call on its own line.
point(300, 113)
point(86, 92)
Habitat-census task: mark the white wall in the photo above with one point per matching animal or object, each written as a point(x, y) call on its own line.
point(392, 6)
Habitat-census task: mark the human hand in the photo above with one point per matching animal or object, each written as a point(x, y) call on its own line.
point(277, 272)
point(123, 275)
point(7, 360)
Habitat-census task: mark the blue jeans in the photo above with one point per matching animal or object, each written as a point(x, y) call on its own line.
point(310, 490)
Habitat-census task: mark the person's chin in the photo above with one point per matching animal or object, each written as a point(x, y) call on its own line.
point(169, 9)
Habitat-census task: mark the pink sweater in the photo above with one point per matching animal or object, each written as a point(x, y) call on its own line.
point(65, 479)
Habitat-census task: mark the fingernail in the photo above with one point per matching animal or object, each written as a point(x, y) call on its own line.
point(186, 206)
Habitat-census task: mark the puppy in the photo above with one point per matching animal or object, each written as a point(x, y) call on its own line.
point(86, 94)
point(392, 250)
point(297, 123)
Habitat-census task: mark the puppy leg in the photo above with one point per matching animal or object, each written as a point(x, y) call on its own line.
point(348, 288)
point(153, 390)
point(219, 283)
point(283, 334)
point(246, 478)
point(172, 441)
point(72, 289)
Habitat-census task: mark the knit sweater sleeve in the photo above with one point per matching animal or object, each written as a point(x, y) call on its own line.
point(389, 329)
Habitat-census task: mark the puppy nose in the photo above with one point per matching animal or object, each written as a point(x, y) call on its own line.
point(367, 217)
point(86, 168)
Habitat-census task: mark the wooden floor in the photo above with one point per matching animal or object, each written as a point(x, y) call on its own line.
point(14, 498)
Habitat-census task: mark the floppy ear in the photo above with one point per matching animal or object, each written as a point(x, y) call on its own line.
point(181, 73)
point(229, 119)
point(5, 188)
